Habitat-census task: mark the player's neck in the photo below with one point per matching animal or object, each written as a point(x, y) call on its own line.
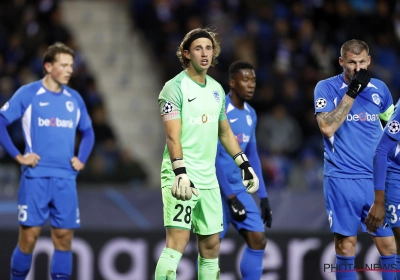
point(346, 78)
point(236, 101)
point(198, 77)
point(51, 85)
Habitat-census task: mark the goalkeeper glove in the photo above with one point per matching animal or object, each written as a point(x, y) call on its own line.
point(266, 212)
point(182, 188)
point(249, 177)
point(358, 83)
point(237, 209)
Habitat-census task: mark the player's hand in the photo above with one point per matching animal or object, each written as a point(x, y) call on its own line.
point(182, 188)
point(29, 159)
point(358, 83)
point(266, 212)
point(77, 164)
point(376, 214)
point(237, 209)
point(249, 177)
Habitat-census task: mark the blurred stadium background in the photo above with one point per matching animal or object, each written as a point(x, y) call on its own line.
point(125, 52)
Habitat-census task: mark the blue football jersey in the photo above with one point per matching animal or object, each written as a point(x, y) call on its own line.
point(243, 124)
point(349, 152)
point(49, 123)
point(392, 129)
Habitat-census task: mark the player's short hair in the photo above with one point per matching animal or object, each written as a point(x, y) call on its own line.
point(238, 65)
point(355, 46)
point(55, 49)
point(193, 35)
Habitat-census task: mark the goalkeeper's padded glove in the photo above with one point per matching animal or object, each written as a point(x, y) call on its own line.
point(183, 188)
point(237, 209)
point(249, 177)
point(358, 83)
point(266, 212)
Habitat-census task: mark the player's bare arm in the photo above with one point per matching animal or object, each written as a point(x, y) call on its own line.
point(173, 134)
point(30, 159)
point(77, 164)
point(182, 188)
point(227, 138)
point(329, 122)
point(376, 214)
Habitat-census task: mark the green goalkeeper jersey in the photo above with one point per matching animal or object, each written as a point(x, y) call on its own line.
point(200, 108)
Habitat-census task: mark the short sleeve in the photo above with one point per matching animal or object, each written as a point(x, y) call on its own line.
point(170, 102)
point(222, 113)
point(387, 101)
point(323, 98)
point(13, 109)
point(393, 126)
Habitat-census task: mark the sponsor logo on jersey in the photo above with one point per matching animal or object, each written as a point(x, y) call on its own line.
point(55, 122)
point(363, 117)
point(204, 119)
point(242, 138)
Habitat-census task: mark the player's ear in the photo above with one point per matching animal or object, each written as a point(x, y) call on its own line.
point(186, 54)
point(341, 61)
point(47, 67)
point(231, 83)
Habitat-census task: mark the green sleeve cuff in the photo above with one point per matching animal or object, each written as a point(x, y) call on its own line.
point(387, 114)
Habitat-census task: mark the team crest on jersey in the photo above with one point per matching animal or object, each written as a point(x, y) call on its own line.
point(249, 120)
point(216, 95)
point(320, 103)
point(376, 99)
point(167, 108)
point(394, 127)
point(5, 106)
point(70, 106)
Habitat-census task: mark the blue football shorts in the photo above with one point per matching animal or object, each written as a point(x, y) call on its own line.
point(44, 197)
point(347, 204)
point(253, 222)
point(392, 203)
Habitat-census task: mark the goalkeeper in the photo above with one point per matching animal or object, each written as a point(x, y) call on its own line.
point(240, 208)
point(192, 107)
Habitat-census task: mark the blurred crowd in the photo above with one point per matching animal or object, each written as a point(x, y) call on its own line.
point(27, 28)
point(293, 45)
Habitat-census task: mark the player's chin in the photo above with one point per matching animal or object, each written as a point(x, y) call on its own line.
point(65, 81)
point(248, 96)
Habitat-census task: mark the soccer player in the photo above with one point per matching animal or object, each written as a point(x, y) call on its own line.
point(348, 110)
point(239, 207)
point(192, 106)
point(387, 182)
point(50, 112)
